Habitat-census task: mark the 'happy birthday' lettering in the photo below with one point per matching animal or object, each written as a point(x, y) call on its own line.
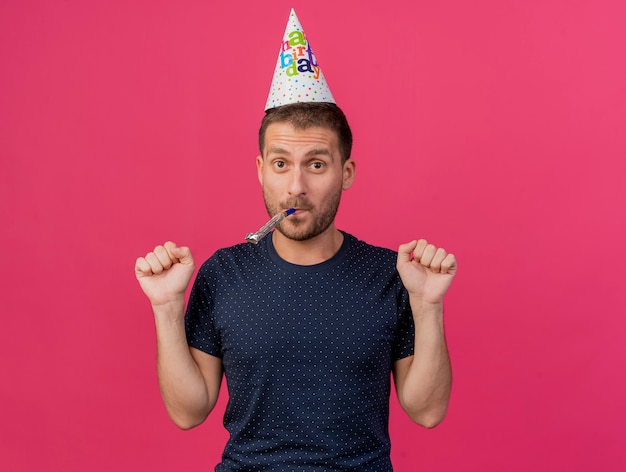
point(296, 56)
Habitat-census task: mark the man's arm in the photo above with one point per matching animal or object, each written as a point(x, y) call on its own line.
point(423, 381)
point(189, 379)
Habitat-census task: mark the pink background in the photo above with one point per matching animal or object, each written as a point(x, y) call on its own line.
point(493, 128)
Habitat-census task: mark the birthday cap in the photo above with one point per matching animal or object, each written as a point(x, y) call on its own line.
point(297, 77)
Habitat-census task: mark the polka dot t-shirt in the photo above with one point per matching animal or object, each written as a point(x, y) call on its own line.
point(307, 353)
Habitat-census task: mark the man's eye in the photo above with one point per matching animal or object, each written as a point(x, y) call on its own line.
point(317, 165)
point(279, 164)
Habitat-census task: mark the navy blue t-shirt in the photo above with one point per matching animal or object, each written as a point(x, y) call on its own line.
point(307, 353)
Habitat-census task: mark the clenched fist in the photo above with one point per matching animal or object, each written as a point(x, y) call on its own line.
point(164, 273)
point(426, 271)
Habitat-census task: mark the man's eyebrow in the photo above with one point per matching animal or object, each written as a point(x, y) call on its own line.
point(319, 152)
point(276, 150)
point(311, 153)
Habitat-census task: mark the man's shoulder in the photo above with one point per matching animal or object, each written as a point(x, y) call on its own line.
point(235, 255)
point(371, 254)
point(363, 246)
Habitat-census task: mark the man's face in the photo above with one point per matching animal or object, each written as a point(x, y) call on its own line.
point(302, 169)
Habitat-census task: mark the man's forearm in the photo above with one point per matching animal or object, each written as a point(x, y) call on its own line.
point(183, 387)
point(425, 389)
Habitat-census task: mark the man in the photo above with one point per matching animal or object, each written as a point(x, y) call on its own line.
point(306, 325)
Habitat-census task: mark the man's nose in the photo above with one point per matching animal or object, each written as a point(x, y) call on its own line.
point(297, 184)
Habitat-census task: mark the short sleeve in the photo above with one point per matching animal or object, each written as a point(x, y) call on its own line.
point(199, 322)
point(404, 342)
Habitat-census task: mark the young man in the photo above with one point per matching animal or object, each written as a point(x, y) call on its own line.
point(307, 324)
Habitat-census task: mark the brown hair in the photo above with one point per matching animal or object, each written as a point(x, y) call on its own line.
point(305, 115)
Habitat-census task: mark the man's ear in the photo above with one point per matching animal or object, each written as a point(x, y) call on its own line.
point(259, 168)
point(349, 173)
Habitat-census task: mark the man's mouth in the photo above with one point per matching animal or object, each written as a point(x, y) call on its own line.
point(300, 211)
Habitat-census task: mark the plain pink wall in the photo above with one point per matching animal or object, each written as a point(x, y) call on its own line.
point(493, 128)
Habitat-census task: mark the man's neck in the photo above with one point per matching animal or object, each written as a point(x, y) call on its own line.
point(312, 251)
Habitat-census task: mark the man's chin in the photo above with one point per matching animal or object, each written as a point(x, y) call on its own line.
point(295, 235)
point(298, 232)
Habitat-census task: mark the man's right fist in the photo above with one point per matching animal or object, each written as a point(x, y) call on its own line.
point(164, 273)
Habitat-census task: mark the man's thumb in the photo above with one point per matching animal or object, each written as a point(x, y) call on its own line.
point(405, 250)
point(183, 254)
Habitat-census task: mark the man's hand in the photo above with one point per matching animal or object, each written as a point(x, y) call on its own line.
point(164, 273)
point(426, 271)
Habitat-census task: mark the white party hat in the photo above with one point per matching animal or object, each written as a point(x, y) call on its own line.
point(297, 77)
